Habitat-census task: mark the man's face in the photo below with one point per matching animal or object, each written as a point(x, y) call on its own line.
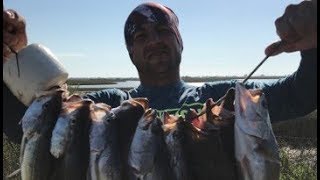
point(155, 50)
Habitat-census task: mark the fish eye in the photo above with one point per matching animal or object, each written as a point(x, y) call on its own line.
point(73, 121)
point(264, 103)
point(46, 105)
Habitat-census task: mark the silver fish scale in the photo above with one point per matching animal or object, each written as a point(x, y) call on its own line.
point(104, 160)
point(60, 136)
point(256, 149)
point(177, 157)
point(35, 157)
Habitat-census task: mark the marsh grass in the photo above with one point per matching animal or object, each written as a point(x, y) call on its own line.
point(11, 153)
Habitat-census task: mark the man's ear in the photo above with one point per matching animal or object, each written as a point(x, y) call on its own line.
point(131, 57)
point(130, 51)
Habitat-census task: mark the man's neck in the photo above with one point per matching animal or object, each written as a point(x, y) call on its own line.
point(160, 80)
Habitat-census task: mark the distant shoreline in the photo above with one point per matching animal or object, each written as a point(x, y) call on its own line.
point(93, 81)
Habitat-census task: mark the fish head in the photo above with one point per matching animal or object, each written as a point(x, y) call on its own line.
point(67, 123)
point(78, 116)
point(81, 112)
point(141, 101)
point(202, 123)
point(251, 111)
point(170, 122)
point(151, 121)
point(40, 109)
point(129, 113)
point(251, 100)
point(223, 114)
point(148, 117)
point(228, 102)
point(99, 112)
point(131, 108)
point(73, 98)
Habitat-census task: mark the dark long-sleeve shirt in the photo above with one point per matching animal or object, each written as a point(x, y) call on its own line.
point(289, 97)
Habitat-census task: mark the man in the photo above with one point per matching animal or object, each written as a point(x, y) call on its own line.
point(14, 39)
point(154, 45)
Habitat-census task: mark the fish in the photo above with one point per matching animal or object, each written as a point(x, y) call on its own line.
point(104, 145)
point(207, 155)
point(60, 133)
point(256, 148)
point(146, 156)
point(127, 116)
point(70, 140)
point(173, 127)
point(37, 124)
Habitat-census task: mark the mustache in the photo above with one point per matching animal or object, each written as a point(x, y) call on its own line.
point(148, 50)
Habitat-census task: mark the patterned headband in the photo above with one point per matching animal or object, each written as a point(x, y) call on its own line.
point(150, 13)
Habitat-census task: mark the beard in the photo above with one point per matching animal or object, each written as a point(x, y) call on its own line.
point(159, 65)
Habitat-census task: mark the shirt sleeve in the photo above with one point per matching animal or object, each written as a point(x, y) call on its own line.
point(112, 97)
point(295, 95)
point(287, 98)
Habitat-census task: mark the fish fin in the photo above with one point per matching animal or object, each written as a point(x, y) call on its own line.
point(22, 148)
point(143, 102)
point(228, 102)
point(166, 118)
point(14, 174)
point(191, 114)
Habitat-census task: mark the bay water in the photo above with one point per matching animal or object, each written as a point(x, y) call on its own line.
point(135, 83)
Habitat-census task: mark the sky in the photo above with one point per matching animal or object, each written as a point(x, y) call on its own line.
point(220, 38)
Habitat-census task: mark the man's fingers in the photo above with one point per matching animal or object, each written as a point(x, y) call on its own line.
point(280, 47)
point(285, 30)
point(14, 30)
point(272, 49)
point(296, 27)
point(12, 22)
point(8, 15)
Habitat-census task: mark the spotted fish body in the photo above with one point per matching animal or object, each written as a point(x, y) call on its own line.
point(127, 116)
point(37, 124)
point(208, 157)
point(104, 146)
point(146, 155)
point(256, 149)
point(173, 128)
point(73, 163)
point(61, 131)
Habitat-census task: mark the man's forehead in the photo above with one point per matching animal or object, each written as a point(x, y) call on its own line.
point(150, 25)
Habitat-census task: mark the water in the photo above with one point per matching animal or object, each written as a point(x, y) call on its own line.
point(134, 84)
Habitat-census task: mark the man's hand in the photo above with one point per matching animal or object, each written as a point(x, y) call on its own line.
point(14, 33)
point(297, 29)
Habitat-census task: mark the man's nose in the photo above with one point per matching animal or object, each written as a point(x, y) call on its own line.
point(154, 36)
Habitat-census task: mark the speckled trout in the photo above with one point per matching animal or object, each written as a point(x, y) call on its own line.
point(37, 124)
point(105, 161)
point(70, 140)
point(147, 156)
point(174, 127)
point(256, 148)
point(127, 116)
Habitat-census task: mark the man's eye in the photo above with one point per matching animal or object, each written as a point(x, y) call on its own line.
point(165, 30)
point(139, 36)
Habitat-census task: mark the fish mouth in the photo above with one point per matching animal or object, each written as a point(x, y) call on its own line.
point(135, 171)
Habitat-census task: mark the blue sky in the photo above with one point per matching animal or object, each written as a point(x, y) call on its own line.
point(220, 37)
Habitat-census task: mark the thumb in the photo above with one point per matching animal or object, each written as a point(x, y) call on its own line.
point(279, 47)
